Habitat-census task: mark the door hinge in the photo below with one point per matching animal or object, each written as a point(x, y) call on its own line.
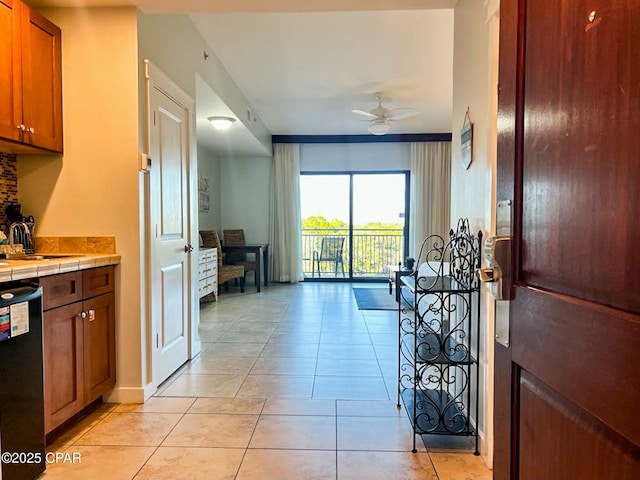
point(157, 340)
point(154, 117)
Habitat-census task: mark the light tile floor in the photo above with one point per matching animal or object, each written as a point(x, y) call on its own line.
point(294, 383)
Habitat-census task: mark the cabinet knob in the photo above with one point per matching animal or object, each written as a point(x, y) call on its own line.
point(21, 127)
point(31, 130)
point(92, 315)
point(83, 315)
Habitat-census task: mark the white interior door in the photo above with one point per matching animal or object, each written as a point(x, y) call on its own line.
point(170, 262)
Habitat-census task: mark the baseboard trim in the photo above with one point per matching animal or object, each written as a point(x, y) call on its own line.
point(130, 394)
point(484, 450)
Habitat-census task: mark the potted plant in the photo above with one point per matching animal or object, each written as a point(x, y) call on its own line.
point(409, 262)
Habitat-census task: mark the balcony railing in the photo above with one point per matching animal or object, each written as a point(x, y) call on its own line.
point(373, 250)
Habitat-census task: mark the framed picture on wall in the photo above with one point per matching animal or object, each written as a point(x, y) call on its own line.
point(203, 201)
point(203, 193)
point(203, 183)
point(466, 141)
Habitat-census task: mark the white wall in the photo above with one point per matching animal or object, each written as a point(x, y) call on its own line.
point(174, 45)
point(473, 190)
point(93, 188)
point(244, 196)
point(209, 166)
point(355, 156)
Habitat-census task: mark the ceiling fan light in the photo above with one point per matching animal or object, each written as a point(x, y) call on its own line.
point(221, 123)
point(379, 128)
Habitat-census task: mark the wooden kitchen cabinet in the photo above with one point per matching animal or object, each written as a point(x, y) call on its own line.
point(63, 361)
point(79, 341)
point(31, 86)
point(99, 346)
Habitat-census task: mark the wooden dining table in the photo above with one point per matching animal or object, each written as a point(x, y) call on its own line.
point(261, 251)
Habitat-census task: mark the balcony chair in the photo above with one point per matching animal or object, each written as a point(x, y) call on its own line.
point(330, 251)
point(225, 272)
point(236, 237)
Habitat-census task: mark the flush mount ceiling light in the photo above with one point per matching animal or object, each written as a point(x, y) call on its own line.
point(379, 127)
point(221, 123)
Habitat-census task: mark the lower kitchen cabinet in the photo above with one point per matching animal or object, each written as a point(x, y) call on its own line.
point(99, 337)
point(79, 341)
point(63, 361)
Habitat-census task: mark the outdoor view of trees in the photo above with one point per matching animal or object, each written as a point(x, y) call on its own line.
point(319, 222)
point(375, 245)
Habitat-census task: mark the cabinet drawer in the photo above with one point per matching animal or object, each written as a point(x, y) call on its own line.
point(201, 271)
point(97, 281)
point(63, 289)
point(207, 256)
point(209, 269)
point(206, 270)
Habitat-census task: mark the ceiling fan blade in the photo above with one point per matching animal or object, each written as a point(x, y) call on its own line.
point(365, 114)
point(402, 113)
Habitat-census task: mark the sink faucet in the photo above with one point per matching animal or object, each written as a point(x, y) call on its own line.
point(20, 231)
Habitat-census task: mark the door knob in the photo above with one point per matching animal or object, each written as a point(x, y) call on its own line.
point(188, 249)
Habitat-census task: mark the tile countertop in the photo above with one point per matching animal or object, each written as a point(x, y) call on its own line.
point(21, 269)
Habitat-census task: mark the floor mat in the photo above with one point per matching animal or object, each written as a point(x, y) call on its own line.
point(374, 299)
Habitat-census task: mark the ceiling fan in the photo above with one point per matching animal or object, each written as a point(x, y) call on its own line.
point(381, 116)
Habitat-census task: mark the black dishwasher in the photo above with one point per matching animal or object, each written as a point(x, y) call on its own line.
point(22, 440)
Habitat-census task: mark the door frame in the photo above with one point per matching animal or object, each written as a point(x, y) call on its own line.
point(350, 174)
point(155, 78)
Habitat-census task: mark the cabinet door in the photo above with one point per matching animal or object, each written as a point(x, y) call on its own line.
point(41, 81)
point(10, 79)
point(99, 346)
point(63, 380)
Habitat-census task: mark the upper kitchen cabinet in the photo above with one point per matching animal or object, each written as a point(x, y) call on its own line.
point(30, 81)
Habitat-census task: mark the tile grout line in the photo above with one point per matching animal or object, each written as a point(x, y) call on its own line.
point(336, 407)
point(162, 441)
point(100, 420)
point(250, 438)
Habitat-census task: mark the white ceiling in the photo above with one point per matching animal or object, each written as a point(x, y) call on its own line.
point(304, 65)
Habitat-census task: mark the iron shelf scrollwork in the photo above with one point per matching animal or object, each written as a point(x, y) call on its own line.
point(438, 317)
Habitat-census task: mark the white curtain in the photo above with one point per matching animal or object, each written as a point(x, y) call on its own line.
point(285, 238)
point(430, 192)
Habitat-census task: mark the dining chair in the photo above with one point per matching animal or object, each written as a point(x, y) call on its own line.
point(225, 272)
point(236, 237)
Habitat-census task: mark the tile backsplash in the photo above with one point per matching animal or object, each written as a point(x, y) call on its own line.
point(103, 244)
point(8, 185)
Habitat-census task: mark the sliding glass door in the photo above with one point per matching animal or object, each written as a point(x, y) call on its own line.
point(324, 205)
point(353, 223)
point(378, 212)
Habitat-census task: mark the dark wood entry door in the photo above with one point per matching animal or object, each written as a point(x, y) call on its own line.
point(568, 386)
